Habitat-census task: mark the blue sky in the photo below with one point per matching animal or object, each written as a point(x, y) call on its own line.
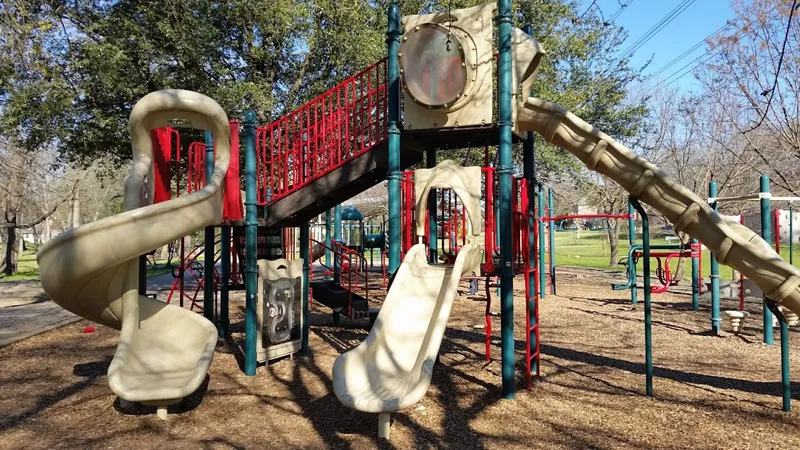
point(699, 20)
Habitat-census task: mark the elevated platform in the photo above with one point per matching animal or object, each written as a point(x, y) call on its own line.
point(355, 176)
point(461, 137)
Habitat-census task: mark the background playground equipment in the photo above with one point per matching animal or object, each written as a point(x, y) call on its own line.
point(348, 139)
point(663, 273)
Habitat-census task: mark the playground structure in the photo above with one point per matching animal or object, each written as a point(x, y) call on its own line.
point(300, 166)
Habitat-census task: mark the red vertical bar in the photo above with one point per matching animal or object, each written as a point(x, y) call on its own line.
point(339, 113)
point(269, 163)
point(411, 225)
point(741, 275)
point(370, 133)
point(489, 235)
point(285, 150)
point(311, 151)
point(347, 118)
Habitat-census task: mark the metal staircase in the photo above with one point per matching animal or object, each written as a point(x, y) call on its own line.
point(328, 150)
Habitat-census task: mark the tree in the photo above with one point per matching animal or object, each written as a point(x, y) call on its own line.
point(96, 59)
point(760, 102)
point(30, 194)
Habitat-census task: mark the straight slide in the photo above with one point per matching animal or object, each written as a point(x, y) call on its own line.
point(164, 351)
point(733, 244)
point(392, 368)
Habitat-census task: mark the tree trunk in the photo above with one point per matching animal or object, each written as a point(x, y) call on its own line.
point(613, 242)
point(75, 212)
point(11, 254)
point(48, 233)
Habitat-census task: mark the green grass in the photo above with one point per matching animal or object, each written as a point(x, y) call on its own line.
point(160, 268)
point(28, 269)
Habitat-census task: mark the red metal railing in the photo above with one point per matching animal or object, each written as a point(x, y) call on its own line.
point(323, 134)
point(196, 170)
point(188, 263)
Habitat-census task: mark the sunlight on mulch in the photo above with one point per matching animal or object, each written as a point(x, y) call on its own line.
point(710, 392)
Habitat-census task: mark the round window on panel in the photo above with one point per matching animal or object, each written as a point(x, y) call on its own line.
point(434, 65)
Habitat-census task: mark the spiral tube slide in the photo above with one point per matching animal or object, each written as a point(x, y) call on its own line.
point(164, 351)
point(732, 243)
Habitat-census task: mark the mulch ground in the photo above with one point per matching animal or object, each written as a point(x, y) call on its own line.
point(710, 392)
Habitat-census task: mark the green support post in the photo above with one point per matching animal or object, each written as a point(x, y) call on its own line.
point(786, 381)
point(696, 275)
point(551, 204)
point(504, 21)
point(251, 236)
point(529, 172)
point(328, 232)
point(766, 234)
point(337, 259)
point(433, 247)
point(305, 243)
point(224, 287)
point(394, 174)
point(337, 237)
point(542, 213)
point(648, 323)
point(715, 317)
point(631, 243)
point(208, 254)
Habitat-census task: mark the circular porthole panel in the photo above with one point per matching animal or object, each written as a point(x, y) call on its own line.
point(434, 65)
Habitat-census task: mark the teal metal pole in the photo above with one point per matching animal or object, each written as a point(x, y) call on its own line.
point(529, 172)
point(305, 243)
point(208, 254)
point(504, 170)
point(433, 250)
point(328, 233)
point(715, 317)
point(251, 243)
point(224, 319)
point(766, 234)
point(648, 323)
point(631, 243)
point(786, 381)
point(696, 275)
point(394, 174)
point(551, 204)
point(542, 213)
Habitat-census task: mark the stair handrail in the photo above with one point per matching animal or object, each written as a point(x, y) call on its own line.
point(308, 138)
point(336, 248)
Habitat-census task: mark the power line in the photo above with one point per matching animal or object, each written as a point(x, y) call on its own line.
point(622, 7)
point(655, 29)
point(665, 82)
point(693, 48)
point(777, 70)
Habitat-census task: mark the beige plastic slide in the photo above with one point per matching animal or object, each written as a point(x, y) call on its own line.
point(164, 351)
point(732, 243)
point(392, 368)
